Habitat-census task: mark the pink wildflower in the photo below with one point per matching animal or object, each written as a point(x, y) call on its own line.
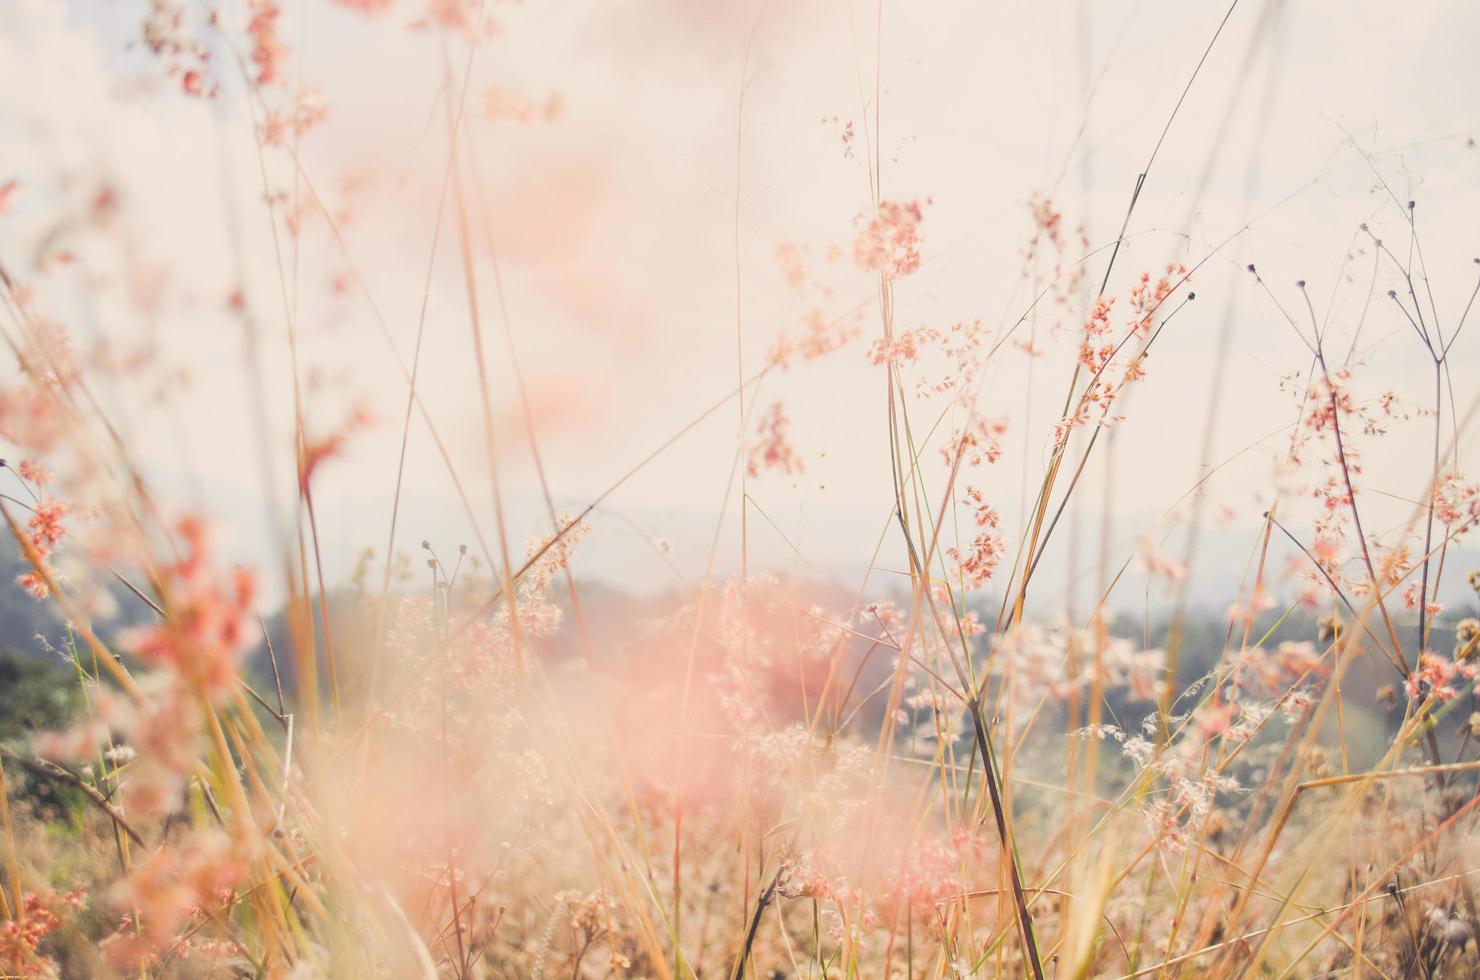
point(901, 349)
point(45, 532)
point(1215, 718)
point(267, 50)
point(889, 243)
point(30, 469)
point(206, 623)
point(979, 442)
point(773, 451)
point(981, 558)
point(1437, 675)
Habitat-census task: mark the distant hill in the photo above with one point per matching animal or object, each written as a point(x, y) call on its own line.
point(29, 625)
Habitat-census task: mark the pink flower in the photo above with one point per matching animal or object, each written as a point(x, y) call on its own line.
point(773, 451)
point(1436, 675)
point(1215, 718)
point(793, 269)
point(180, 881)
point(20, 937)
point(1455, 501)
point(1159, 565)
point(820, 338)
point(978, 561)
point(267, 50)
point(30, 469)
point(900, 350)
point(979, 442)
point(317, 451)
point(889, 243)
point(309, 109)
point(206, 623)
point(46, 531)
point(1146, 298)
point(46, 525)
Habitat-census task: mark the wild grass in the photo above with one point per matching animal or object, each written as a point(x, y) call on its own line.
point(483, 765)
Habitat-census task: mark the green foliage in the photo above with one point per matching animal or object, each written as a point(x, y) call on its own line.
point(36, 694)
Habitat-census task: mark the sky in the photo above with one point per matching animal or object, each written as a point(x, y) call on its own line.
point(689, 140)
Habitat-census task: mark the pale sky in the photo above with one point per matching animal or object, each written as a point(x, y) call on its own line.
point(616, 228)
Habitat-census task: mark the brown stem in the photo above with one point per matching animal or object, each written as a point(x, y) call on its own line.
point(51, 770)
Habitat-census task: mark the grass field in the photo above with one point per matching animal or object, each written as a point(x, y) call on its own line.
point(685, 489)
